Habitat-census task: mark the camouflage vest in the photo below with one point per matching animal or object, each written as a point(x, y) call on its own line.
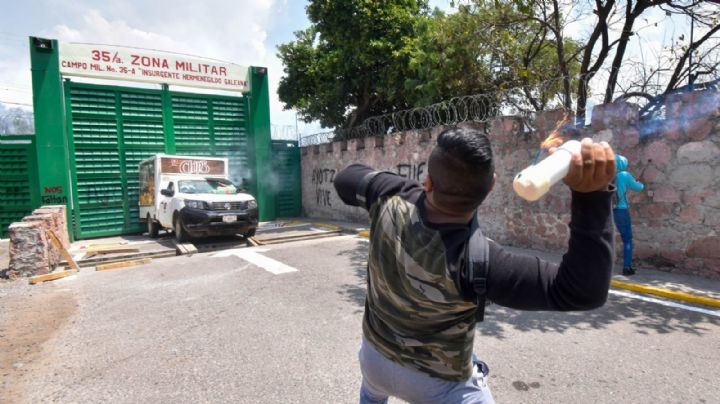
point(414, 314)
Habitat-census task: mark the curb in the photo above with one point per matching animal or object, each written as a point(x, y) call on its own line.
point(641, 288)
point(666, 293)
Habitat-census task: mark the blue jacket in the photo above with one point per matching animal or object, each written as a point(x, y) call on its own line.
point(623, 181)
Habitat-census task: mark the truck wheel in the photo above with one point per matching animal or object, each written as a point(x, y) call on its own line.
point(152, 227)
point(180, 235)
point(250, 233)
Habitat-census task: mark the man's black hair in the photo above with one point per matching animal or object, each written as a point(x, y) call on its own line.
point(461, 168)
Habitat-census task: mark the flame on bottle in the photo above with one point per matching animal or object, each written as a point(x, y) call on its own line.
point(556, 137)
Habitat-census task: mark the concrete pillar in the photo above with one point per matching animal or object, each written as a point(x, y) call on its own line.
point(28, 249)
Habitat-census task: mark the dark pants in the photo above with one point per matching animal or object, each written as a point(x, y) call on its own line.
point(624, 226)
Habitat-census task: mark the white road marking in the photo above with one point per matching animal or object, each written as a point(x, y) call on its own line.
point(252, 256)
point(715, 313)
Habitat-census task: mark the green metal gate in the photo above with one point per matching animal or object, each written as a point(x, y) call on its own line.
point(208, 125)
point(111, 129)
point(286, 171)
point(18, 179)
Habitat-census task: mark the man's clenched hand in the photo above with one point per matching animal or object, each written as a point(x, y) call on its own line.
point(593, 169)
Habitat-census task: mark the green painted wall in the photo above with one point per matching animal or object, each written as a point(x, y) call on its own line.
point(18, 182)
point(50, 141)
point(260, 130)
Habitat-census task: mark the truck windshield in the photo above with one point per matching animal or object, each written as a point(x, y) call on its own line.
point(207, 186)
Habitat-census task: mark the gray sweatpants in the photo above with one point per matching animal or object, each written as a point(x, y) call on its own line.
point(383, 378)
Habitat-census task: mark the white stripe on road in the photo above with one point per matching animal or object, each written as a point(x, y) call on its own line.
point(667, 303)
point(252, 256)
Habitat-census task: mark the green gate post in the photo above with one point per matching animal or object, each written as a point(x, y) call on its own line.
point(49, 110)
point(260, 132)
point(168, 122)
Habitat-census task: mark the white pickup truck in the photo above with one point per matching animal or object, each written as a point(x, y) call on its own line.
point(194, 197)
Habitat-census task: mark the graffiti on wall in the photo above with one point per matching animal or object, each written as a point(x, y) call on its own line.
point(414, 171)
point(322, 179)
point(53, 195)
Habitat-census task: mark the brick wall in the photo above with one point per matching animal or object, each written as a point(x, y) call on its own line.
point(676, 218)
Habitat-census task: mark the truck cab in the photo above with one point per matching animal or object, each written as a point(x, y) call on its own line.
point(193, 197)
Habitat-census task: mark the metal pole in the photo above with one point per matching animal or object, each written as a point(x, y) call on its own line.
point(690, 65)
point(297, 133)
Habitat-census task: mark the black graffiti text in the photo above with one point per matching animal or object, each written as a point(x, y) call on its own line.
point(323, 176)
point(322, 197)
point(411, 171)
point(54, 200)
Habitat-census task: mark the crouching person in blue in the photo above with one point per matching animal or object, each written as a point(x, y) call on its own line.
point(625, 181)
point(425, 292)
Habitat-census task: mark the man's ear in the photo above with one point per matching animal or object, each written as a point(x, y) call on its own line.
point(427, 184)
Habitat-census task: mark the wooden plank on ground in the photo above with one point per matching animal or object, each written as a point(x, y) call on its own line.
point(107, 259)
point(51, 276)
point(110, 250)
point(109, 244)
point(301, 237)
point(253, 242)
point(185, 248)
point(123, 264)
point(55, 240)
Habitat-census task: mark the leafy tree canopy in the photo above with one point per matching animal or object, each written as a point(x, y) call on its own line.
point(362, 58)
point(350, 63)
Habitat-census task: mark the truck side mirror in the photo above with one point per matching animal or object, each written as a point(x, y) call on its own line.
point(167, 192)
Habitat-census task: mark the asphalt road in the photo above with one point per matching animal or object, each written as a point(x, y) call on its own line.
point(222, 329)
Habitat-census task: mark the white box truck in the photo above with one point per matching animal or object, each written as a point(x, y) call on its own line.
point(193, 197)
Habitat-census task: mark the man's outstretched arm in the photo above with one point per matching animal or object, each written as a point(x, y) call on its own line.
point(360, 185)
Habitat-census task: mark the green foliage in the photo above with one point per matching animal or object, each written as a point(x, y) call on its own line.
point(349, 64)
point(362, 58)
point(486, 47)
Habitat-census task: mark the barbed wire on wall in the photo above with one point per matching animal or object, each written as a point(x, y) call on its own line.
point(472, 108)
point(522, 102)
point(475, 108)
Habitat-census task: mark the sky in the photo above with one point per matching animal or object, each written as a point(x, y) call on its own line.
point(245, 32)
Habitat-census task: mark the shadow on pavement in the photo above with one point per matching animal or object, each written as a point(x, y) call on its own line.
point(647, 317)
point(355, 293)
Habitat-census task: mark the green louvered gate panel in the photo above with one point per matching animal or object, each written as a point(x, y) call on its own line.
point(111, 130)
point(286, 177)
point(207, 125)
point(18, 178)
point(143, 137)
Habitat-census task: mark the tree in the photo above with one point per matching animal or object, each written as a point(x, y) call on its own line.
point(630, 73)
point(362, 58)
point(493, 48)
point(350, 63)
point(16, 121)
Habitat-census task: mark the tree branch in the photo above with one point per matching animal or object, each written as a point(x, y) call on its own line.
point(674, 79)
point(586, 73)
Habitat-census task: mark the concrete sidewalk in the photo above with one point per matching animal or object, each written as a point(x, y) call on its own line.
point(680, 287)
